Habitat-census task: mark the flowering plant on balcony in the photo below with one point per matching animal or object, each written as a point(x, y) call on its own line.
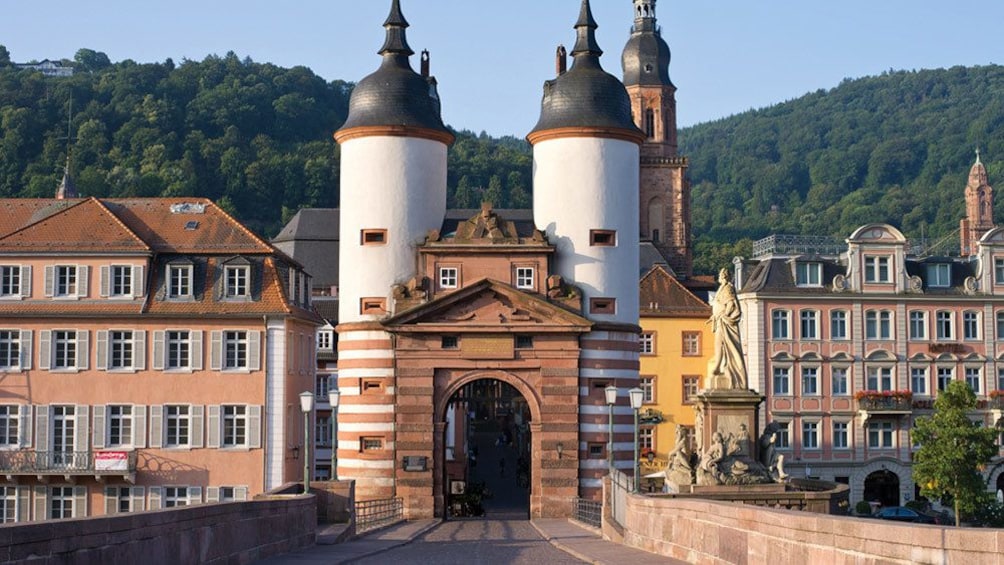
point(996, 393)
point(883, 395)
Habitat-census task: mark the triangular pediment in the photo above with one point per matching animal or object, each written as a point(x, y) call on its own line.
point(490, 304)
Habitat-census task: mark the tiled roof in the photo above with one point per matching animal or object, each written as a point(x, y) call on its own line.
point(16, 213)
point(86, 225)
point(70, 308)
point(662, 295)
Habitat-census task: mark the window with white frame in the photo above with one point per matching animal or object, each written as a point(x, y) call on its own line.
point(1000, 378)
point(9, 425)
point(524, 278)
point(60, 503)
point(691, 344)
point(65, 283)
point(322, 385)
point(121, 346)
point(808, 274)
point(238, 280)
point(235, 426)
point(943, 324)
point(939, 275)
point(179, 349)
point(918, 324)
point(998, 270)
point(782, 440)
point(233, 494)
point(10, 281)
point(646, 343)
point(877, 269)
point(879, 378)
point(880, 435)
point(809, 324)
point(177, 426)
point(878, 324)
point(945, 376)
point(1000, 325)
point(121, 283)
point(646, 437)
point(971, 325)
point(235, 348)
point(810, 381)
point(8, 505)
point(838, 324)
point(782, 381)
point(840, 439)
point(325, 340)
point(810, 435)
point(64, 349)
point(918, 380)
point(691, 386)
point(322, 432)
point(179, 281)
point(780, 328)
point(176, 496)
point(448, 277)
point(10, 349)
point(647, 385)
point(120, 425)
point(838, 376)
point(124, 500)
point(974, 378)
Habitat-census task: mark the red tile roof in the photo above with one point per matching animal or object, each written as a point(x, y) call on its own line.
point(662, 295)
point(85, 225)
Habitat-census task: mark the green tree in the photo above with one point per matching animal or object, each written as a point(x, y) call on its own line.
point(91, 60)
point(953, 450)
point(4, 56)
point(494, 193)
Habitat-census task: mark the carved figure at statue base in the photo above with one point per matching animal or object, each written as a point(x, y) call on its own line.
point(681, 461)
point(769, 457)
point(726, 463)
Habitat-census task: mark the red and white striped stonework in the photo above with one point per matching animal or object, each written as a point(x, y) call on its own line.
point(607, 358)
point(366, 411)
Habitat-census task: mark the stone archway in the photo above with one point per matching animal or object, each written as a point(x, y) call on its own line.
point(894, 466)
point(882, 486)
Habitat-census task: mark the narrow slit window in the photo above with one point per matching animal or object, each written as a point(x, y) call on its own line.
point(373, 306)
point(602, 238)
point(374, 237)
point(602, 306)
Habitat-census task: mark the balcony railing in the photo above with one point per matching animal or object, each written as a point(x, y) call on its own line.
point(886, 404)
point(28, 462)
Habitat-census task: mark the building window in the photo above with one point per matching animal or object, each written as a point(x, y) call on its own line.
point(782, 440)
point(448, 277)
point(691, 386)
point(373, 237)
point(235, 426)
point(602, 306)
point(878, 324)
point(810, 381)
point(939, 275)
point(779, 328)
point(647, 385)
point(880, 435)
point(374, 306)
point(1000, 378)
point(840, 435)
point(691, 344)
point(1000, 325)
point(650, 124)
point(524, 342)
point(121, 281)
point(60, 503)
point(10, 281)
point(838, 324)
point(325, 340)
point(9, 425)
point(877, 269)
point(237, 281)
point(322, 432)
point(943, 325)
point(782, 378)
point(810, 435)
point(66, 280)
point(602, 238)
point(450, 342)
point(998, 270)
point(372, 387)
point(597, 451)
point(945, 376)
point(176, 496)
point(971, 325)
point(810, 324)
point(370, 443)
point(646, 437)
point(10, 349)
point(120, 426)
point(8, 505)
point(64, 349)
point(179, 281)
point(918, 380)
point(235, 347)
point(838, 376)
point(974, 379)
point(646, 343)
point(322, 385)
point(918, 325)
point(123, 499)
point(808, 274)
point(524, 278)
point(879, 378)
point(121, 346)
point(178, 425)
point(179, 349)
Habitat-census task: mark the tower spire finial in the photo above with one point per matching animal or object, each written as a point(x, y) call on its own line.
point(397, 41)
point(586, 44)
point(978, 162)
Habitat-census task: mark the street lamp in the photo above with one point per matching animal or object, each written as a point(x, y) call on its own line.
point(637, 397)
point(611, 392)
point(333, 397)
point(306, 405)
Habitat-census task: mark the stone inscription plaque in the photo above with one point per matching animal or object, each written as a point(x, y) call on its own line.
point(487, 347)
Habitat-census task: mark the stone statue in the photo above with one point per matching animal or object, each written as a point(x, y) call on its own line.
point(769, 457)
point(699, 428)
point(709, 472)
point(727, 368)
point(681, 461)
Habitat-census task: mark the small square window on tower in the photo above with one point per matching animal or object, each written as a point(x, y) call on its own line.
point(524, 342)
point(373, 306)
point(602, 238)
point(450, 342)
point(602, 306)
point(373, 237)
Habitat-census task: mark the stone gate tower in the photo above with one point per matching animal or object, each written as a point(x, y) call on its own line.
point(979, 208)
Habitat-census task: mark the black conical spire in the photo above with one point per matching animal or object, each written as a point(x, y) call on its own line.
point(67, 189)
point(396, 42)
point(586, 28)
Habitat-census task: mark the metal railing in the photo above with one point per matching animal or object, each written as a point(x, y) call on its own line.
point(27, 461)
point(620, 486)
point(374, 514)
point(588, 512)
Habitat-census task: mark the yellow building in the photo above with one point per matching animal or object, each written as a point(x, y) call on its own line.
point(676, 344)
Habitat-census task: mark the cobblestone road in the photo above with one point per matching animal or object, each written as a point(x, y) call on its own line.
point(477, 542)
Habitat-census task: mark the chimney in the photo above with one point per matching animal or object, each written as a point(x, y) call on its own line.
point(561, 61)
point(425, 63)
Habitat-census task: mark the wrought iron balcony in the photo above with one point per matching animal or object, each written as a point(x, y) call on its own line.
point(67, 463)
point(883, 404)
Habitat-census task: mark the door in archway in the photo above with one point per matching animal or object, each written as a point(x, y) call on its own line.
point(488, 452)
point(882, 487)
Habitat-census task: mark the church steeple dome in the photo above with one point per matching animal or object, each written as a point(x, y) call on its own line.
point(646, 56)
point(979, 207)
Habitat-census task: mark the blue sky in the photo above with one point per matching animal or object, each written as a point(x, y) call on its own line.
point(491, 57)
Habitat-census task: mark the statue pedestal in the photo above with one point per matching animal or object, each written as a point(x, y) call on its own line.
point(726, 411)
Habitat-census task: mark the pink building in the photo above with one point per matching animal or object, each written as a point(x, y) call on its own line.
point(151, 355)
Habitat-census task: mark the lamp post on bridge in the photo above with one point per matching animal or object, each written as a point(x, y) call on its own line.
point(306, 405)
point(611, 393)
point(333, 397)
point(637, 397)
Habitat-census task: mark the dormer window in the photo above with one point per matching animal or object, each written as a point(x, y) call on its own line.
point(66, 281)
point(237, 279)
point(939, 275)
point(809, 274)
point(15, 281)
point(524, 278)
point(877, 269)
point(179, 281)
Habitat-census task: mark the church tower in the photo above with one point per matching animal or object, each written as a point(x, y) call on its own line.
point(979, 208)
point(665, 192)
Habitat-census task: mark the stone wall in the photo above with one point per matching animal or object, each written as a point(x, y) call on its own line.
point(237, 532)
point(700, 531)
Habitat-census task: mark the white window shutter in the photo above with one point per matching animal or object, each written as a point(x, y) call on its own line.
point(138, 281)
point(216, 350)
point(41, 503)
point(137, 494)
point(25, 344)
point(25, 281)
point(198, 426)
point(42, 428)
point(44, 349)
point(79, 502)
point(156, 426)
point(241, 493)
point(111, 501)
point(83, 280)
point(212, 494)
point(23, 503)
point(50, 280)
point(159, 349)
point(24, 425)
point(213, 441)
point(139, 350)
point(195, 495)
point(105, 282)
point(99, 427)
point(102, 350)
point(254, 427)
point(254, 351)
point(196, 350)
point(139, 426)
point(155, 497)
point(83, 350)
point(80, 415)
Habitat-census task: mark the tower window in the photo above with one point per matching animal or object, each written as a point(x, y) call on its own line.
point(650, 123)
point(602, 306)
point(602, 238)
point(373, 237)
point(450, 342)
point(524, 342)
point(373, 306)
